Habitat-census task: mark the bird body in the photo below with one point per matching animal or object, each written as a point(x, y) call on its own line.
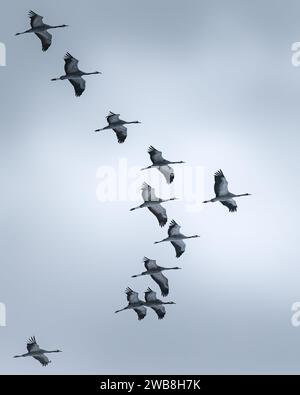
point(117, 125)
point(155, 304)
point(36, 352)
point(159, 162)
point(40, 29)
point(139, 306)
point(74, 75)
point(155, 271)
point(152, 202)
point(222, 193)
point(176, 238)
point(134, 303)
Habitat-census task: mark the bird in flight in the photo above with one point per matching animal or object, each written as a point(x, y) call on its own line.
point(161, 164)
point(34, 350)
point(152, 202)
point(155, 271)
point(222, 194)
point(176, 238)
point(117, 125)
point(134, 303)
point(155, 304)
point(74, 75)
point(40, 29)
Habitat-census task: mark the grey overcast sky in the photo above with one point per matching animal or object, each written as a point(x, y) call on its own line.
point(213, 84)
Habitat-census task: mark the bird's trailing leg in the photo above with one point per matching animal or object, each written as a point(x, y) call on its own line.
point(118, 311)
point(138, 275)
point(160, 241)
point(26, 31)
point(135, 208)
point(145, 168)
point(105, 128)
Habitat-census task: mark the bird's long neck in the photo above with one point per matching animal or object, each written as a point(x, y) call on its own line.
point(242, 194)
point(92, 72)
point(191, 237)
point(168, 303)
point(49, 351)
point(132, 122)
point(167, 200)
point(55, 27)
point(173, 163)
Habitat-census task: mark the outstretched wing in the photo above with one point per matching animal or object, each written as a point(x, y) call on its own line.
point(155, 155)
point(150, 296)
point(79, 86)
point(35, 19)
point(174, 228)
point(71, 64)
point(221, 184)
point(231, 204)
point(32, 345)
point(132, 296)
point(179, 246)
point(148, 193)
point(160, 311)
point(162, 282)
point(46, 39)
point(160, 213)
point(43, 359)
point(112, 118)
point(150, 264)
point(141, 312)
point(121, 132)
point(168, 173)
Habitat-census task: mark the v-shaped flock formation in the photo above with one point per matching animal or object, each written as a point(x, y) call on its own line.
point(154, 204)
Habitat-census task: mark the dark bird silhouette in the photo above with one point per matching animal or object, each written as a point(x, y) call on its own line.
point(155, 271)
point(155, 304)
point(134, 303)
point(222, 194)
point(176, 238)
point(74, 75)
point(33, 350)
point(152, 202)
point(40, 29)
point(117, 125)
point(161, 164)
